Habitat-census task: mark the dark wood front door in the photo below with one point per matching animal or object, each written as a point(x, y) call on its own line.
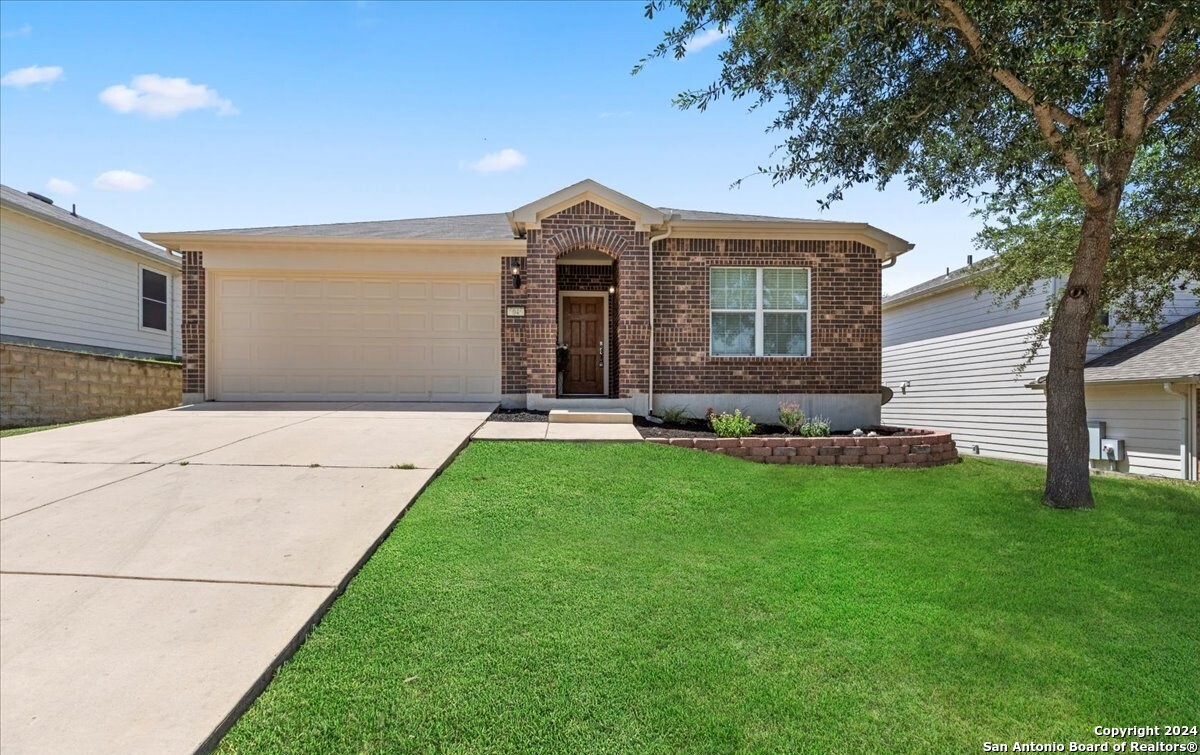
point(583, 325)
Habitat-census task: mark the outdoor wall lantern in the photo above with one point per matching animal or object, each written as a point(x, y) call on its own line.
point(612, 289)
point(516, 274)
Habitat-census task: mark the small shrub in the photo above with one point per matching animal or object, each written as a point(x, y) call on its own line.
point(736, 425)
point(673, 415)
point(817, 427)
point(791, 416)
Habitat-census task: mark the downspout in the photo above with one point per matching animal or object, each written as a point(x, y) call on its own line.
point(650, 388)
point(1185, 461)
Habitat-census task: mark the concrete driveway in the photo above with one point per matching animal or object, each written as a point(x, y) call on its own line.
point(154, 568)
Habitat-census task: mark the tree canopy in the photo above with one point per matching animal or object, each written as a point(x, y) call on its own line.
point(868, 91)
point(1037, 109)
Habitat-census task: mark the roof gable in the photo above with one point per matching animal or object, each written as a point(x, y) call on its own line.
point(529, 216)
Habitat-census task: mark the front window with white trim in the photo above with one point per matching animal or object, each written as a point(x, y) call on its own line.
point(759, 311)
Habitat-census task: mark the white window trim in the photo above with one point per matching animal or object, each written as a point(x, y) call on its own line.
point(141, 313)
point(758, 313)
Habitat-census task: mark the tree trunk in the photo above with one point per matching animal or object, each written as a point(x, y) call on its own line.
point(1068, 483)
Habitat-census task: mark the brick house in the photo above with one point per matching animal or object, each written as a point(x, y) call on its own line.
point(747, 310)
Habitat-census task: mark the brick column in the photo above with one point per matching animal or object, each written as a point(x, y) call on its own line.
point(541, 316)
point(512, 329)
point(192, 326)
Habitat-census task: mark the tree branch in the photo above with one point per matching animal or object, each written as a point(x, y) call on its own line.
point(1135, 114)
point(1022, 91)
point(1046, 114)
point(1190, 81)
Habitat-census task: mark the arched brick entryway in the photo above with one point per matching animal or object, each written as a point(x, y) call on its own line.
point(587, 225)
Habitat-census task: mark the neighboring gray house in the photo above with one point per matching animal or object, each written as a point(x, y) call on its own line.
point(950, 356)
point(69, 282)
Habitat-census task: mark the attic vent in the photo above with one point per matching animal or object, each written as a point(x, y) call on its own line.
point(40, 197)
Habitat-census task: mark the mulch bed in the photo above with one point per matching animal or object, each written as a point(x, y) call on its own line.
point(688, 429)
point(518, 415)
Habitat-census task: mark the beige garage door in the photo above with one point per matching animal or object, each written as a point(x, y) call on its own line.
point(334, 338)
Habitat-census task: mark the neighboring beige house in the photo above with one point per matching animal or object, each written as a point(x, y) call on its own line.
point(70, 283)
point(951, 356)
point(652, 308)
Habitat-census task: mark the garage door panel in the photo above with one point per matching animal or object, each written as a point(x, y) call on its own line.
point(482, 323)
point(442, 291)
point(412, 322)
point(447, 323)
point(272, 288)
point(346, 338)
point(482, 292)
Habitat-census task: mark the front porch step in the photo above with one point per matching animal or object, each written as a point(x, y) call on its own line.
point(594, 416)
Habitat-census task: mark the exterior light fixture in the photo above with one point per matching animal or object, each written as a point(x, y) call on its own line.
point(612, 289)
point(516, 276)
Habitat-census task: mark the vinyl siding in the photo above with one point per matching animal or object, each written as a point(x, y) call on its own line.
point(1150, 421)
point(65, 287)
point(958, 354)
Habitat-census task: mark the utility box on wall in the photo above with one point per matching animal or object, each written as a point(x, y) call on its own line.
point(1113, 449)
point(1096, 432)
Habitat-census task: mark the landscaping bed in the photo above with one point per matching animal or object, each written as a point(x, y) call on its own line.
point(603, 598)
point(698, 428)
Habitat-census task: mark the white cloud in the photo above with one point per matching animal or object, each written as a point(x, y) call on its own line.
point(700, 41)
point(157, 96)
point(61, 186)
point(497, 162)
point(121, 180)
point(23, 77)
point(23, 31)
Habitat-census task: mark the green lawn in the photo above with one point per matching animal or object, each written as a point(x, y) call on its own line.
point(588, 598)
point(11, 431)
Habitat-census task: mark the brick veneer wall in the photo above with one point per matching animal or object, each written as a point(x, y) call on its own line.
point(925, 448)
point(598, 278)
point(192, 324)
point(512, 329)
point(846, 343)
point(587, 225)
point(40, 386)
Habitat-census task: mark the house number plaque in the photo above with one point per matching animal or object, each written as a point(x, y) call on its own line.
point(514, 311)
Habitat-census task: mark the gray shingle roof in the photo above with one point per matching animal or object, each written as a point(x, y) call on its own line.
point(1172, 353)
point(487, 226)
point(949, 280)
point(705, 215)
point(19, 200)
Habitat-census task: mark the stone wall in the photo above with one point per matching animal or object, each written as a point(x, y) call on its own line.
point(921, 448)
point(40, 386)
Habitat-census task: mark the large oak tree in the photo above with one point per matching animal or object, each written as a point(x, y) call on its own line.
point(1003, 99)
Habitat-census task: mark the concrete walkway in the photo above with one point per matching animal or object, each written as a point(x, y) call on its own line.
point(556, 431)
point(153, 568)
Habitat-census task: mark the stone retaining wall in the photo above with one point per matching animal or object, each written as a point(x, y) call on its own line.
point(40, 386)
point(925, 448)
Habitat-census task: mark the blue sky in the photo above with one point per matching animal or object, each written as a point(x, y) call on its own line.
point(246, 114)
